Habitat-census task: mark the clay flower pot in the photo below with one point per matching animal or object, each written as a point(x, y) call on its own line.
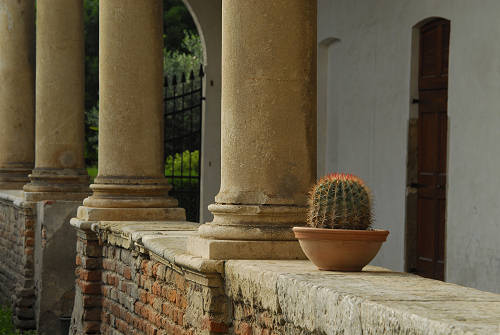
point(340, 249)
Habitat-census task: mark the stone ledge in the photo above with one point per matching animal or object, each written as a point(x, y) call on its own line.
point(375, 301)
point(303, 300)
point(16, 197)
point(164, 239)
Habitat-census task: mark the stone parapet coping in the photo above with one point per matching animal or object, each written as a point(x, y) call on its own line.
point(375, 301)
point(16, 197)
point(164, 240)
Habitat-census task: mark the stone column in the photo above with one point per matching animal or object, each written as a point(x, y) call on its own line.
point(17, 97)
point(60, 92)
point(268, 130)
point(130, 184)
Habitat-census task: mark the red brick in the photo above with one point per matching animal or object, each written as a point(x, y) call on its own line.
point(165, 308)
point(214, 326)
point(164, 291)
point(138, 306)
point(122, 326)
point(243, 328)
point(93, 314)
point(92, 301)
point(155, 270)
point(29, 233)
point(156, 288)
point(144, 265)
point(91, 326)
point(105, 317)
point(179, 281)
point(127, 273)
point(108, 264)
point(90, 275)
point(171, 295)
point(92, 288)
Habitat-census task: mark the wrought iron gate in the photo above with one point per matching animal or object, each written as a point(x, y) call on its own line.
point(183, 116)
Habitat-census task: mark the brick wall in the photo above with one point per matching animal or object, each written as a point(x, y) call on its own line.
point(17, 221)
point(130, 291)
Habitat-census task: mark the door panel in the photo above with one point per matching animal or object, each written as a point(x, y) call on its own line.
point(432, 148)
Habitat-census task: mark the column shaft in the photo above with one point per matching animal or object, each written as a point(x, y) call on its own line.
point(131, 164)
point(268, 125)
point(17, 80)
point(60, 92)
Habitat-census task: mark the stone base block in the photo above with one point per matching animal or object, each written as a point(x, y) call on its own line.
point(240, 249)
point(131, 214)
point(16, 185)
point(66, 196)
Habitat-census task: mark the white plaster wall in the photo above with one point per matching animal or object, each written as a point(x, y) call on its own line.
point(367, 116)
point(207, 15)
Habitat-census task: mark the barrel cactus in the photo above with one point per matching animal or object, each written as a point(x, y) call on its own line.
point(340, 201)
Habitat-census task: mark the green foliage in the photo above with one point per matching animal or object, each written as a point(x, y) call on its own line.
point(176, 62)
point(178, 166)
point(340, 201)
point(91, 135)
point(6, 325)
point(92, 172)
point(183, 53)
point(91, 26)
point(178, 20)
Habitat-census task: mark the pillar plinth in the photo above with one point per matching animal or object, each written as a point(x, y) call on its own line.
point(59, 172)
point(268, 130)
point(17, 95)
point(130, 184)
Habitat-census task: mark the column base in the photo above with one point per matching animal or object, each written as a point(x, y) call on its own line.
point(249, 232)
point(131, 214)
point(14, 178)
point(57, 184)
point(241, 249)
point(130, 199)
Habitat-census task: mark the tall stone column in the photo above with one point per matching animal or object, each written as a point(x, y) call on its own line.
point(268, 130)
point(17, 96)
point(60, 92)
point(130, 184)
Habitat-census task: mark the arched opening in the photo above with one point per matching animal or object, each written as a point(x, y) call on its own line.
point(427, 149)
point(192, 106)
point(183, 101)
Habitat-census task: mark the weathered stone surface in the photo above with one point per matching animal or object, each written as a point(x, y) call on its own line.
point(17, 241)
point(371, 302)
point(244, 249)
point(59, 172)
point(265, 81)
point(17, 93)
point(151, 283)
point(55, 252)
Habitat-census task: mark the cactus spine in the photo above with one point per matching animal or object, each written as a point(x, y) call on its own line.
point(340, 201)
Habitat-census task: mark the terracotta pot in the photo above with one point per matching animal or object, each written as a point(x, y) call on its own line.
point(340, 249)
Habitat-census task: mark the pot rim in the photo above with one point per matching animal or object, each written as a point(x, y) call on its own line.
point(309, 233)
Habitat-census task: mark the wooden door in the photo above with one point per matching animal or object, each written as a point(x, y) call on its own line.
point(432, 145)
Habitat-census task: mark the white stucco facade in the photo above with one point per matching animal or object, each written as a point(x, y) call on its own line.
point(365, 96)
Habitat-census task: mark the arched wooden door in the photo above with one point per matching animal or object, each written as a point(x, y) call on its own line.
point(432, 148)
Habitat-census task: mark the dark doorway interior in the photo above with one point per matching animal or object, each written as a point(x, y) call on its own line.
point(432, 148)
